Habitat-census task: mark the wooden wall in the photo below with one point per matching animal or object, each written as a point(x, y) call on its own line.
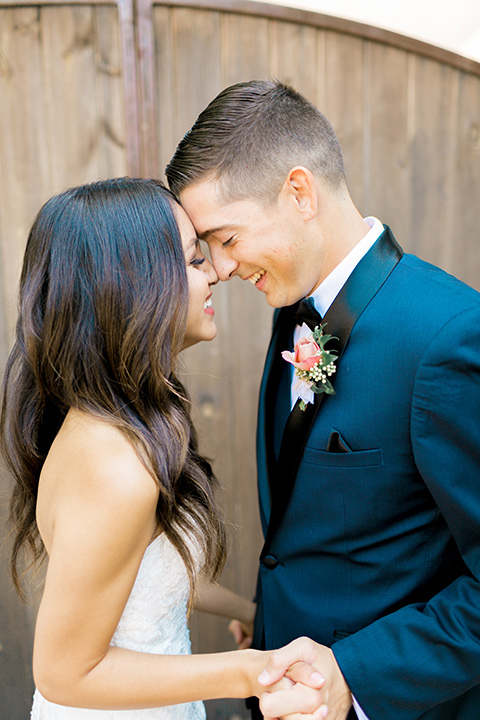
point(98, 89)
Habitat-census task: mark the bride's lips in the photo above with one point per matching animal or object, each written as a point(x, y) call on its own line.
point(207, 306)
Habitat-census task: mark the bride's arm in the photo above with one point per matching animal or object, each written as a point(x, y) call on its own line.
point(97, 524)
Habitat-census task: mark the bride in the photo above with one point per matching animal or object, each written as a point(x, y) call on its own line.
point(109, 483)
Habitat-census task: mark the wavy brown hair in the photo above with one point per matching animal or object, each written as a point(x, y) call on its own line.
point(102, 313)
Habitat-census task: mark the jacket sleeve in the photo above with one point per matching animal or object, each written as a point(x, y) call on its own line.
point(424, 655)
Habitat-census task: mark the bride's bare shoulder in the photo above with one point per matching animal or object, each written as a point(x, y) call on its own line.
point(82, 429)
point(94, 489)
point(90, 454)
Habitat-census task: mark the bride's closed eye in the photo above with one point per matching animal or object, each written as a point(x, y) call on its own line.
point(199, 257)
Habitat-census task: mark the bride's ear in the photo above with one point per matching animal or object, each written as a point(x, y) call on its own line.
point(300, 189)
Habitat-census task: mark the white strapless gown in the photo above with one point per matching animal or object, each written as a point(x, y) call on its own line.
point(154, 621)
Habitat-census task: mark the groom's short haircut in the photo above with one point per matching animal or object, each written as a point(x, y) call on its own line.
point(250, 137)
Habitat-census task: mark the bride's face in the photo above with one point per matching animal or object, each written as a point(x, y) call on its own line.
point(200, 275)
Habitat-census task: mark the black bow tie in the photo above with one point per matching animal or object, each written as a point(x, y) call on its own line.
point(306, 313)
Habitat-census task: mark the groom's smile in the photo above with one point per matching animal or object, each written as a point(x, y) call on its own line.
point(256, 277)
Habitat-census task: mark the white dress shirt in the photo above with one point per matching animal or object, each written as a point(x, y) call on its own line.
point(324, 296)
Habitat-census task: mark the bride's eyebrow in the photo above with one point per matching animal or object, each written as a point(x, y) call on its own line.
point(193, 245)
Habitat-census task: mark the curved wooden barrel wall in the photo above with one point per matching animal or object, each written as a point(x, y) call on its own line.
point(99, 89)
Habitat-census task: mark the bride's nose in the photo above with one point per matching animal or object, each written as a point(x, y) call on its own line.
point(211, 272)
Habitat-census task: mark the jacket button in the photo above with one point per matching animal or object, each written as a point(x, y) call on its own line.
point(270, 562)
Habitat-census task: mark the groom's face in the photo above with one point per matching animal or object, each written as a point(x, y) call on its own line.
point(265, 245)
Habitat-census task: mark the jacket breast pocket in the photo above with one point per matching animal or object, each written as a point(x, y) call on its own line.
point(356, 459)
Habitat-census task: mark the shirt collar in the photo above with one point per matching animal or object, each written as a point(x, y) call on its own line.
point(329, 288)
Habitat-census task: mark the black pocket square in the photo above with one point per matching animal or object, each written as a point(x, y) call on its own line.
point(336, 444)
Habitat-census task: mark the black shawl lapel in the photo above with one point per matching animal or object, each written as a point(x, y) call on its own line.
point(358, 291)
point(282, 339)
point(270, 379)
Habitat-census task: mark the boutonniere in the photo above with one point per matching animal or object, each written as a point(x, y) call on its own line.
point(313, 366)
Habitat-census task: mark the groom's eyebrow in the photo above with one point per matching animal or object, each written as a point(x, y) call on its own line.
point(213, 231)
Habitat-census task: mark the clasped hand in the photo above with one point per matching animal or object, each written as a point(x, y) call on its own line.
point(303, 682)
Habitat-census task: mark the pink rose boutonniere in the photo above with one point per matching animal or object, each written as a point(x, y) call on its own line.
point(313, 366)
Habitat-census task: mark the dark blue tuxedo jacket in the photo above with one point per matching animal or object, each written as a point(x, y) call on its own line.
point(373, 544)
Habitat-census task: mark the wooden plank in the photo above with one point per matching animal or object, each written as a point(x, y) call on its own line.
point(432, 146)
point(164, 88)
point(110, 102)
point(208, 380)
point(294, 56)
point(344, 93)
point(464, 259)
point(24, 156)
point(245, 49)
point(197, 67)
point(71, 120)
point(224, 378)
point(386, 170)
point(250, 328)
point(83, 71)
point(69, 62)
point(188, 73)
point(196, 56)
point(129, 54)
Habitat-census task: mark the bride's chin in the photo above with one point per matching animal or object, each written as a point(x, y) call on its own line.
point(213, 333)
point(206, 337)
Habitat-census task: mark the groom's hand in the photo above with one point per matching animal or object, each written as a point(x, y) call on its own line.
point(298, 689)
point(305, 662)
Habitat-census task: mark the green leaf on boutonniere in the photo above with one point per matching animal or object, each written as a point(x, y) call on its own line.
point(326, 387)
point(322, 338)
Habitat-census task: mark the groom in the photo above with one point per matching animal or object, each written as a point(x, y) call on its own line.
point(369, 497)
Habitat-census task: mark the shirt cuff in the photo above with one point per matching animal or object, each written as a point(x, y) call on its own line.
point(361, 715)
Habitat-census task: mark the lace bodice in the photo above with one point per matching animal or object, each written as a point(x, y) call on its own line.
point(154, 621)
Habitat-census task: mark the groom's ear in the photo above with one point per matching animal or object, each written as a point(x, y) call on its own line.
point(300, 189)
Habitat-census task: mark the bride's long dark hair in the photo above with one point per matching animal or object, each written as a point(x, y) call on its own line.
point(102, 312)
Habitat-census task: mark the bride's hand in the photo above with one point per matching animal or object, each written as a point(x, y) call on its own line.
point(299, 698)
point(255, 662)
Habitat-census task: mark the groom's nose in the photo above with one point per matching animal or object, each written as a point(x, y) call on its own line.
point(224, 265)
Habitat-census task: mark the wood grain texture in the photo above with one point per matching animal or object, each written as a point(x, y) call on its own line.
point(386, 171)
point(344, 83)
point(408, 118)
point(340, 25)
